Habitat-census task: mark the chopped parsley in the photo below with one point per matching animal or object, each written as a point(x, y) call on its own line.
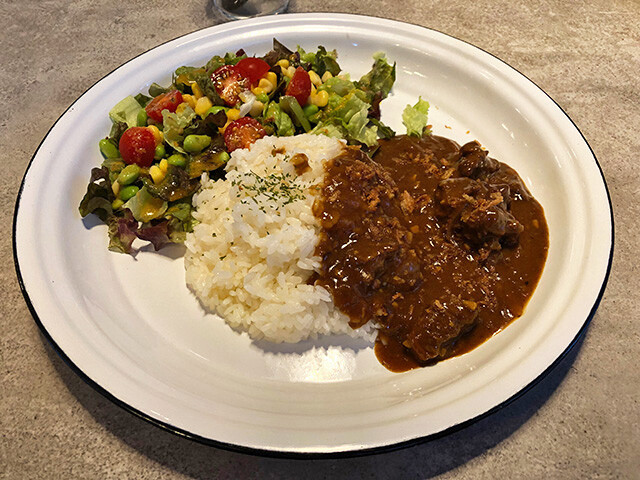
point(281, 188)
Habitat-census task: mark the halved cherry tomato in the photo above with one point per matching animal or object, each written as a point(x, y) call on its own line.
point(166, 101)
point(137, 145)
point(242, 133)
point(299, 86)
point(229, 83)
point(253, 69)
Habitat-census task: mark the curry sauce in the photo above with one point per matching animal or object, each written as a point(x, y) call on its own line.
point(438, 245)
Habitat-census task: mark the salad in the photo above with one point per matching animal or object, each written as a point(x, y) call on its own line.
point(160, 144)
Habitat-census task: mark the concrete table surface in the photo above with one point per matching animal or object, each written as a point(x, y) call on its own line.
point(580, 421)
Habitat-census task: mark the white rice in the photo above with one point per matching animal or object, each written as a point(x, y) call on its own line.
point(250, 256)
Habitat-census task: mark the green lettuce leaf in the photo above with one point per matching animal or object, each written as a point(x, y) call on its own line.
point(213, 64)
point(415, 118)
point(306, 57)
point(349, 105)
point(356, 104)
point(321, 61)
point(174, 125)
point(126, 111)
point(155, 89)
point(142, 99)
point(145, 207)
point(338, 85)
point(183, 71)
point(180, 220)
point(180, 210)
point(117, 129)
point(231, 58)
point(99, 195)
point(202, 76)
point(330, 128)
point(347, 117)
point(326, 62)
point(358, 128)
point(380, 79)
point(384, 131)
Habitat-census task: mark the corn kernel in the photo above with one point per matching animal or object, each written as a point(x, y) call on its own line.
point(272, 77)
point(256, 108)
point(157, 175)
point(233, 114)
point(191, 101)
point(222, 129)
point(290, 71)
point(326, 76)
point(265, 85)
point(315, 79)
point(180, 109)
point(115, 187)
point(197, 91)
point(320, 99)
point(257, 91)
point(203, 105)
point(284, 64)
point(182, 78)
point(163, 165)
point(157, 134)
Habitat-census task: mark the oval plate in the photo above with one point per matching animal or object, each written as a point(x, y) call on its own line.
point(130, 327)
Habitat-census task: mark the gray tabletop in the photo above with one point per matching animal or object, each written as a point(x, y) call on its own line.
point(581, 421)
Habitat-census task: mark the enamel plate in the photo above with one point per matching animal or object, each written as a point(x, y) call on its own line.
point(131, 328)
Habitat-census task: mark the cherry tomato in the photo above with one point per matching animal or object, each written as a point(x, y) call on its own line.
point(137, 145)
point(253, 69)
point(299, 86)
point(229, 83)
point(242, 133)
point(166, 101)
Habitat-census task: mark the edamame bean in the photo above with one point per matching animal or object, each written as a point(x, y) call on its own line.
point(129, 174)
point(263, 97)
point(224, 156)
point(116, 204)
point(128, 192)
point(310, 109)
point(142, 118)
point(160, 152)
point(108, 149)
point(177, 160)
point(215, 109)
point(196, 143)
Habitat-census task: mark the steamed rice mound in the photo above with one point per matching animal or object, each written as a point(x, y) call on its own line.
point(252, 253)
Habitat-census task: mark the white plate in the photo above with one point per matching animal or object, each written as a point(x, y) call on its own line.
point(130, 327)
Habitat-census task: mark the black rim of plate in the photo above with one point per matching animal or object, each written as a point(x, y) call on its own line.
point(308, 455)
